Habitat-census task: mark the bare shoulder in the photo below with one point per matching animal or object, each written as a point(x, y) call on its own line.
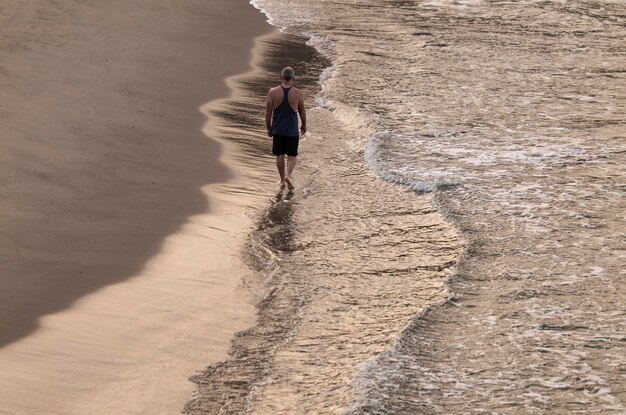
point(298, 92)
point(273, 90)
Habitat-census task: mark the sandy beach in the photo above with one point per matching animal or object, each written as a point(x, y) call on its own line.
point(121, 219)
point(454, 242)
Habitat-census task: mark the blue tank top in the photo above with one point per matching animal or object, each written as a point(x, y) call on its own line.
point(285, 119)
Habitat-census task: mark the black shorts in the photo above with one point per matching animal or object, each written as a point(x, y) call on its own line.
point(285, 144)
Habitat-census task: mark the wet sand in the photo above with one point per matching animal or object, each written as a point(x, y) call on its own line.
point(121, 220)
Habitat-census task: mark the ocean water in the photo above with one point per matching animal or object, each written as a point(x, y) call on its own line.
point(456, 244)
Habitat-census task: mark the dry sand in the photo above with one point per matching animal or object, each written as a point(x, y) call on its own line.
point(120, 220)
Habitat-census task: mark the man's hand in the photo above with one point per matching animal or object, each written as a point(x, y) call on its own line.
point(303, 129)
point(269, 131)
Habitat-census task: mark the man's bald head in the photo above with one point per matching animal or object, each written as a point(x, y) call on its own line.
point(287, 73)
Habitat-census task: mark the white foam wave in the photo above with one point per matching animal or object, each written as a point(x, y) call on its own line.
point(270, 19)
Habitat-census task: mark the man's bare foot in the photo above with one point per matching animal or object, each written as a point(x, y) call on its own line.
point(289, 183)
point(283, 185)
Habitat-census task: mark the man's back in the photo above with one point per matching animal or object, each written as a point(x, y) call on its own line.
point(295, 97)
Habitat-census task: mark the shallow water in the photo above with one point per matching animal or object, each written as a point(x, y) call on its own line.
point(506, 119)
point(334, 278)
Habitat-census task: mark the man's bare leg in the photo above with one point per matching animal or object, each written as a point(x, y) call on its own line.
point(280, 164)
point(291, 164)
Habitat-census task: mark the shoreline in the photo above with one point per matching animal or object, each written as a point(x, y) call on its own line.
point(314, 304)
point(241, 113)
point(129, 344)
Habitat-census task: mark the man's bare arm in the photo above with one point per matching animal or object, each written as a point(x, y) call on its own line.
point(269, 107)
point(302, 113)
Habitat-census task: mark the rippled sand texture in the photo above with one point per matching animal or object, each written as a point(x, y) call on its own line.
point(345, 264)
point(513, 114)
point(120, 221)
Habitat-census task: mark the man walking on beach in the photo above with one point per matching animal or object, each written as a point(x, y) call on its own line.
point(284, 103)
